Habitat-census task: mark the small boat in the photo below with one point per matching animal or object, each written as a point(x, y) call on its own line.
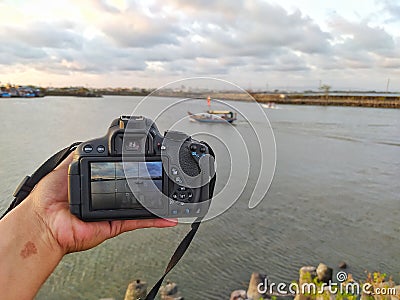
point(228, 117)
point(5, 95)
point(269, 105)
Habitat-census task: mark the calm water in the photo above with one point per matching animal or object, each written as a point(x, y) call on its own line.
point(335, 196)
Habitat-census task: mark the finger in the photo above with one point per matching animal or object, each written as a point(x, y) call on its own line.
point(128, 225)
point(56, 182)
point(160, 223)
point(65, 163)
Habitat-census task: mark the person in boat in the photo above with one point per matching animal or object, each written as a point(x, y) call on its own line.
point(41, 230)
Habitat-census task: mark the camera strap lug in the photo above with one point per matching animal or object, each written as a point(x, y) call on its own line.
point(23, 187)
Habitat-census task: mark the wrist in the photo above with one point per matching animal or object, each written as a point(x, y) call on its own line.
point(40, 220)
point(29, 225)
point(26, 245)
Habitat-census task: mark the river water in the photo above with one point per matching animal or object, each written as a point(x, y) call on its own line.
point(335, 196)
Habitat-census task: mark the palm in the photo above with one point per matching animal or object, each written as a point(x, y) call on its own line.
point(72, 234)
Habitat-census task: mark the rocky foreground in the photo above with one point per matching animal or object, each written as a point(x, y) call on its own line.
point(318, 283)
point(314, 283)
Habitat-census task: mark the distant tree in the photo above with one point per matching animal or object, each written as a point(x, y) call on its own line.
point(325, 88)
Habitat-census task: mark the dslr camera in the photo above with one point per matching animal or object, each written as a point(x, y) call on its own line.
point(134, 172)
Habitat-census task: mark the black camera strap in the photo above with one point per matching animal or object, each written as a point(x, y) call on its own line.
point(185, 243)
point(29, 182)
point(179, 252)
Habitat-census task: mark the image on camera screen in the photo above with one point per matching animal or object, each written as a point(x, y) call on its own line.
point(110, 189)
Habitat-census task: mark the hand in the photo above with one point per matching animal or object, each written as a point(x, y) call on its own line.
point(41, 230)
point(50, 204)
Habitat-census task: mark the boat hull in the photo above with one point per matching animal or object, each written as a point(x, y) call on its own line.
point(210, 119)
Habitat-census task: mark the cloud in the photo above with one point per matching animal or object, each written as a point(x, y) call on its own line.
point(251, 27)
point(43, 35)
point(392, 8)
point(249, 33)
point(359, 45)
point(137, 30)
point(12, 52)
point(253, 38)
point(361, 36)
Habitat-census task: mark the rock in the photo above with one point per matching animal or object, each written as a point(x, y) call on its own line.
point(397, 293)
point(385, 286)
point(302, 297)
point(324, 273)
point(136, 289)
point(326, 295)
point(238, 295)
point(170, 291)
point(255, 280)
point(342, 265)
point(307, 274)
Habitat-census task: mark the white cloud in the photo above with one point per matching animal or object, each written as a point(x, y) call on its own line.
point(165, 40)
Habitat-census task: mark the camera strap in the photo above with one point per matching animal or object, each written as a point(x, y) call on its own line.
point(29, 182)
point(179, 252)
point(185, 243)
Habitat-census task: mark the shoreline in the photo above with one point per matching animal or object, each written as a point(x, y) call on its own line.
point(332, 100)
point(372, 101)
point(320, 100)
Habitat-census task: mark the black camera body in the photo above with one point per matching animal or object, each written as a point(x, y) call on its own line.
point(134, 172)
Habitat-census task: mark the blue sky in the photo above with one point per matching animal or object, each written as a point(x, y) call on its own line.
point(256, 44)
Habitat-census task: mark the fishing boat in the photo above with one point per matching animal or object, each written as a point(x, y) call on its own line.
point(220, 117)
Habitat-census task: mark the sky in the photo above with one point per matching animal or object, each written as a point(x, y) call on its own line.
point(256, 44)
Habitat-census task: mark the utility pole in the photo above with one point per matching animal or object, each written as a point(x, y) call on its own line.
point(387, 85)
point(250, 87)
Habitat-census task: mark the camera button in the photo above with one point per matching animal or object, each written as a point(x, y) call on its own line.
point(181, 189)
point(174, 196)
point(101, 148)
point(193, 147)
point(174, 171)
point(203, 149)
point(178, 179)
point(88, 148)
point(174, 211)
point(182, 196)
point(187, 211)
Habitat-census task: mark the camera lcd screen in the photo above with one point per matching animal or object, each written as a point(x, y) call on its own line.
point(112, 188)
